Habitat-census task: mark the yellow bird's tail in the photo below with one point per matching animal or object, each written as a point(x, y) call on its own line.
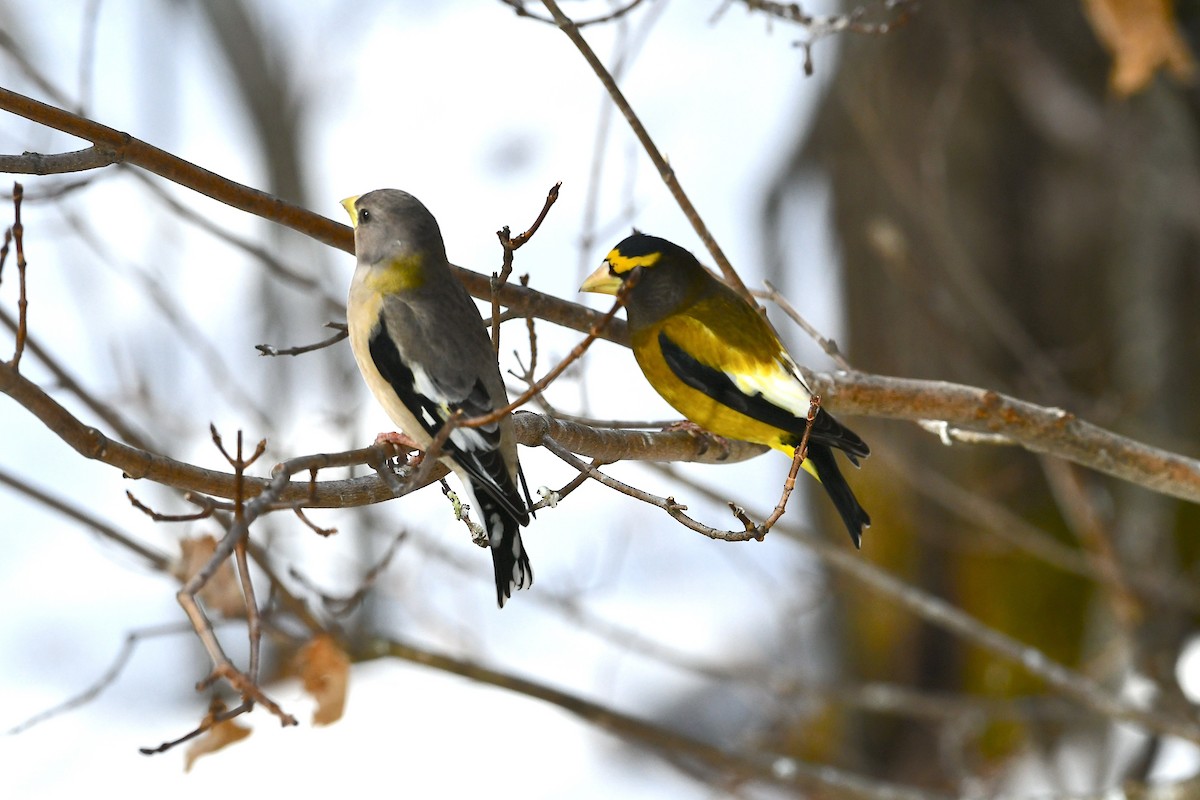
point(822, 466)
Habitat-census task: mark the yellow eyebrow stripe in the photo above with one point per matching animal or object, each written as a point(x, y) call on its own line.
point(620, 264)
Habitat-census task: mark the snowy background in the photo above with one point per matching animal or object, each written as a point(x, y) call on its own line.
point(478, 113)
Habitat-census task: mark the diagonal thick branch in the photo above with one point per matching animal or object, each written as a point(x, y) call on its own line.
point(116, 147)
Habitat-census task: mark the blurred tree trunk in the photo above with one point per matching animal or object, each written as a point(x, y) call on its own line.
point(1005, 220)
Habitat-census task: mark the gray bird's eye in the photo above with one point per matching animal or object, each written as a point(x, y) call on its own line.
point(363, 215)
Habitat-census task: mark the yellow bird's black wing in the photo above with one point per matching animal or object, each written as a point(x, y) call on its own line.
point(744, 367)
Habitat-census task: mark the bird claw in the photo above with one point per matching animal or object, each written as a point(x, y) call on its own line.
point(402, 442)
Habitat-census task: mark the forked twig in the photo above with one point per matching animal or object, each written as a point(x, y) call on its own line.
point(789, 484)
point(668, 504)
point(340, 606)
point(233, 544)
point(511, 245)
point(577, 351)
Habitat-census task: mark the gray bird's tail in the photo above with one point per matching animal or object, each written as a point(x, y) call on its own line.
point(513, 570)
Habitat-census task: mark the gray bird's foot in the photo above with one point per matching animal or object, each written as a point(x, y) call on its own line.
point(403, 442)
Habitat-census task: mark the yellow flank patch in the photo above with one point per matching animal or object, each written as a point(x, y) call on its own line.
point(697, 406)
point(398, 275)
point(621, 264)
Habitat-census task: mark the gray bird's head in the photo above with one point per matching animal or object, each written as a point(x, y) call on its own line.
point(394, 229)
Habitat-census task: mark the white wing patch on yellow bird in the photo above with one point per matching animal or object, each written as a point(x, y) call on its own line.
point(777, 386)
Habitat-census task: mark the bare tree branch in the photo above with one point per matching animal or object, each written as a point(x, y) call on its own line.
point(770, 768)
point(660, 163)
point(1050, 431)
point(121, 148)
point(1068, 682)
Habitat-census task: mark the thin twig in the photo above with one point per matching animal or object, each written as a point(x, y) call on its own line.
point(553, 497)
point(1066, 681)
point(664, 169)
point(204, 513)
point(576, 353)
point(340, 606)
point(211, 720)
point(828, 345)
point(789, 484)
point(342, 332)
point(768, 767)
point(510, 246)
point(518, 6)
point(106, 680)
point(668, 504)
point(18, 235)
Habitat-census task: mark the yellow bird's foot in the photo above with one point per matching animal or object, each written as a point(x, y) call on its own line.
point(706, 438)
point(402, 442)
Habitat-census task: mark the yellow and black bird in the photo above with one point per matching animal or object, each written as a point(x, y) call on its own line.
point(717, 361)
point(422, 348)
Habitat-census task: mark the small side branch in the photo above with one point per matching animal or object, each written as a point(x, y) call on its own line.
point(94, 157)
point(789, 484)
point(571, 29)
point(576, 353)
point(341, 332)
point(668, 504)
point(511, 245)
point(17, 232)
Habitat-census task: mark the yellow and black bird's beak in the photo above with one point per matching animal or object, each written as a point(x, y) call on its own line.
point(352, 209)
point(602, 281)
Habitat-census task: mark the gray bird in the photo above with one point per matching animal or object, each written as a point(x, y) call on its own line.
point(422, 347)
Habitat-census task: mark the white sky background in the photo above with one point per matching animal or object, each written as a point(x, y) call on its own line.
point(477, 112)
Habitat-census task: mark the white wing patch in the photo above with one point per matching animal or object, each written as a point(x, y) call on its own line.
point(781, 386)
point(469, 439)
point(466, 439)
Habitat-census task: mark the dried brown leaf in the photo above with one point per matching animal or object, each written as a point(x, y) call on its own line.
point(215, 738)
point(325, 669)
point(1142, 37)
